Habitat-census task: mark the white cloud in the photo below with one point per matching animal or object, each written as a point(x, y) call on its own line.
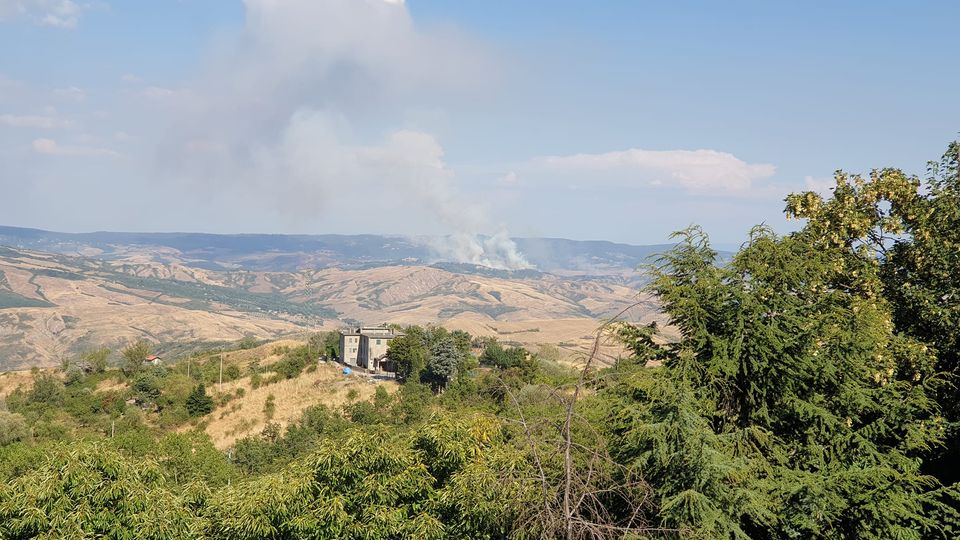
point(50, 147)
point(56, 13)
point(34, 121)
point(344, 57)
point(696, 171)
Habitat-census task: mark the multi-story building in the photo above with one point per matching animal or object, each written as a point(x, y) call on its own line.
point(366, 347)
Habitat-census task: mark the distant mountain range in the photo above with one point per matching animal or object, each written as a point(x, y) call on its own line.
point(289, 253)
point(62, 293)
point(53, 305)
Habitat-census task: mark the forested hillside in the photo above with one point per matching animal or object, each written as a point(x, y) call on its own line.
point(808, 389)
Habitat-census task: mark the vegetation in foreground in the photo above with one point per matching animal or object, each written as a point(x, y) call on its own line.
point(812, 394)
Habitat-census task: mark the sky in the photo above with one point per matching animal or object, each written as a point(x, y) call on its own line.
point(618, 121)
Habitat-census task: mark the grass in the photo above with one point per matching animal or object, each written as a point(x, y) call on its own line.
point(243, 415)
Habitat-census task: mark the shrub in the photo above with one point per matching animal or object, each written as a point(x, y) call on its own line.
point(47, 389)
point(364, 412)
point(231, 373)
point(269, 407)
point(147, 386)
point(199, 403)
point(97, 359)
point(13, 428)
point(134, 355)
point(293, 362)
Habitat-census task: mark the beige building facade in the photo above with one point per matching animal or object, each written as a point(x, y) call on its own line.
point(366, 347)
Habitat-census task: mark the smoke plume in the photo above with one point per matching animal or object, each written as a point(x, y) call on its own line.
point(290, 114)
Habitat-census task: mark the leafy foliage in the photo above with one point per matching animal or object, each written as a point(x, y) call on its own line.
point(408, 354)
point(94, 492)
point(199, 403)
point(13, 428)
point(445, 360)
point(134, 356)
point(787, 399)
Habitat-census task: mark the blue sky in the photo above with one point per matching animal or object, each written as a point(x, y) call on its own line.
point(590, 120)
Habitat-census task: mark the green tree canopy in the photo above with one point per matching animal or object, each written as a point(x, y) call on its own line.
point(445, 360)
point(198, 402)
point(134, 356)
point(408, 354)
point(91, 491)
point(786, 400)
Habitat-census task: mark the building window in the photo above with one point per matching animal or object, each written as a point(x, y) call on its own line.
point(378, 342)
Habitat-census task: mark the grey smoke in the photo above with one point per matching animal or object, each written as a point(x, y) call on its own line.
point(290, 114)
point(497, 251)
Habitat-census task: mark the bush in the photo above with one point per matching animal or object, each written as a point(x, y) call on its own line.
point(134, 355)
point(414, 400)
point(46, 390)
point(363, 412)
point(73, 375)
point(293, 363)
point(253, 454)
point(147, 386)
point(231, 373)
point(494, 355)
point(97, 359)
point(269, 407)
point(13, 428)
point(188, 457)
point(199, 403)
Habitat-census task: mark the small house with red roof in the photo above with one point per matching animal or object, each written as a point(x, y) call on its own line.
point(152, 360)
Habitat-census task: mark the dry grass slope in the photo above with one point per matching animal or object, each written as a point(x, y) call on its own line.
point(245, 415)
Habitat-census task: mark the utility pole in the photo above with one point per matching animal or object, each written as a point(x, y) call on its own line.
point(220, 389)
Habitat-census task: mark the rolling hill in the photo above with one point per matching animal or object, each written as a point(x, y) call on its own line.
point(53, 304)
point(278, 252)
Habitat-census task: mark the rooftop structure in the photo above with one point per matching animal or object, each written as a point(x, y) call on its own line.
point(366, 347)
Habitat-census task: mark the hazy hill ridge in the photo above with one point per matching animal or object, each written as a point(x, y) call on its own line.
point(53, 304)
point(280, 252)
